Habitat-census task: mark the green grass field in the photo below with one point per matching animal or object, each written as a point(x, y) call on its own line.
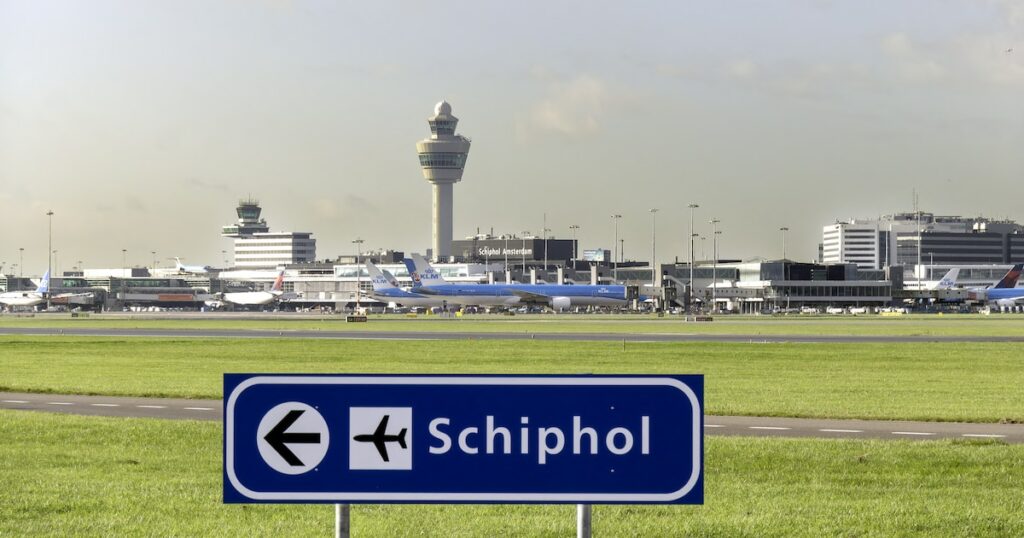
point(93, 476)
point(929, 381)
point(916, 325)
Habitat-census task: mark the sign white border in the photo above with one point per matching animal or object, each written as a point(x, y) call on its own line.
point(349, 496)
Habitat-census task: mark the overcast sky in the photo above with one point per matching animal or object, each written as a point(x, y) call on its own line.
point(141, 123)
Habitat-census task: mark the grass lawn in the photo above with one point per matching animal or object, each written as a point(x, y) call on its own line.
point(916, 325)
point(979, 382)
point(94, 476)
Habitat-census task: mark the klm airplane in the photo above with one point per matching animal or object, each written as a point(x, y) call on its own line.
point(428, 282)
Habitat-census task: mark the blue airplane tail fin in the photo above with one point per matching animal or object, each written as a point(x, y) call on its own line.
point(427, 274)
point(44, 283)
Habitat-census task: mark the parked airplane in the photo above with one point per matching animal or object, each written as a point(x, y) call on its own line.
point(380, 438)
point(258, 298)
point(28, 298)
point(427, 281)
point(182, 268)
point(1005, 293)
point(386, 290)
point(39, 295)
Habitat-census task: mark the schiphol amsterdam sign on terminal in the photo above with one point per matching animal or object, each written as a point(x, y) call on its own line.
point(463, 439)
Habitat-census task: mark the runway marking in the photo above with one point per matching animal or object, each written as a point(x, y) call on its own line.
point(768, 428)
point(983, 435)
point(105, 405)
point(912, 433)
point(840, 431)
point(152, 406)
point(15, 401)
point(714, 426)
point(199, 408)
point(60, 403)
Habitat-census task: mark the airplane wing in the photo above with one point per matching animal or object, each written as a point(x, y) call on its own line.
point(382, 428)
point(379, 443)
point(530, 296)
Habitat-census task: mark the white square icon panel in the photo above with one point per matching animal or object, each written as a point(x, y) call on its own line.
point(380, 438)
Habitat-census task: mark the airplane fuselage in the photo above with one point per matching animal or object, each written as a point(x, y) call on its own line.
point(26, 298)
point(511, 294)
point(1004, 295)
point(250, 298)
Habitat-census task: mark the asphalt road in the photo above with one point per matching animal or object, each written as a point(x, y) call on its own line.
point(180, 409)
point(430, 335)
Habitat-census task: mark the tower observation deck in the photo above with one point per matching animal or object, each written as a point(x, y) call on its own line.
point(249, 221)
point(442, 158)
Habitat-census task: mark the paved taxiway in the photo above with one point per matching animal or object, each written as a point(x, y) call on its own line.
point(430, 335)
point(180, 409)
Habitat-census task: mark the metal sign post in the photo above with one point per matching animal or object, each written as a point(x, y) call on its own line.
point(342, 521)
point(583, 514)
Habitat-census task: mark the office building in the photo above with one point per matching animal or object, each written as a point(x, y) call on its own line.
point(911, 239)
point(256, 247)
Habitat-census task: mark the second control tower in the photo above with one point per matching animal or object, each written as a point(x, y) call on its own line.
point(443, 158)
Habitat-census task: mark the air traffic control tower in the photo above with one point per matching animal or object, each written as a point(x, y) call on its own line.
point(443, 158)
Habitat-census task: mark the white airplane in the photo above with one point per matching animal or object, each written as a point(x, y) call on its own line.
point(182, 268)
point(28, 298)
point(259, 298)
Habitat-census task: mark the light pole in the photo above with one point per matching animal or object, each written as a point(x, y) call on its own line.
point(506, 259)
point(785, 266)
point(615, 248)
point(56, 266)
point(654, 246)
point(124, 276)
point(21, 261)
point(49, 247)
point(224, 255)
point(525, 233)
point(573, 228)
point(544, 232)
point(784, 229)
point(714, 263)
point(153, 252)
point(359, 269)
point(689, 293)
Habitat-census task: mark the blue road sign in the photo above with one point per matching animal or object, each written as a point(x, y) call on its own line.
point(463, 439)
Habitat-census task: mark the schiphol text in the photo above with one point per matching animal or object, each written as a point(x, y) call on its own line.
point(549, 440)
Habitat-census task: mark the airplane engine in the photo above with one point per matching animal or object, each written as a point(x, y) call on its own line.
point(559, 304)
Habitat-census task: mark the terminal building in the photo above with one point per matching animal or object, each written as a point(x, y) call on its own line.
point(910, 239)
point(758, 286)
point(926, 246)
